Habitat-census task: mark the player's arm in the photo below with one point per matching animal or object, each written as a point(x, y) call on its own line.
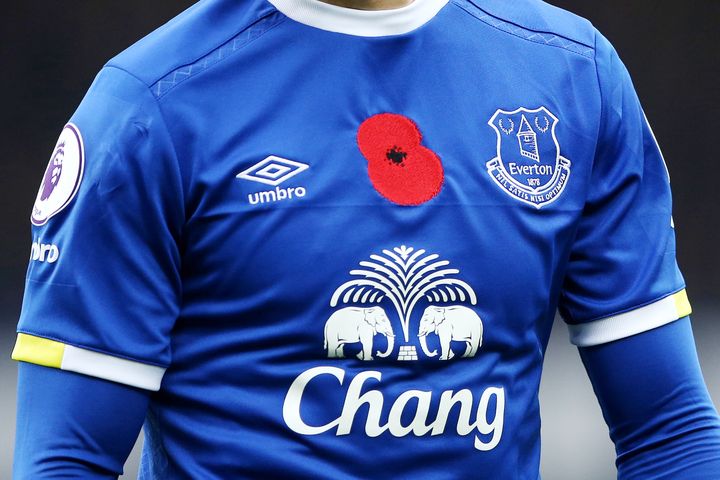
point(625, 301)
point(103, 287)
point(655, 402)
point(74, 426)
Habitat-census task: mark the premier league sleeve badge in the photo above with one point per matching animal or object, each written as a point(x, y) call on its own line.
point(528, 166)
point(62, 176)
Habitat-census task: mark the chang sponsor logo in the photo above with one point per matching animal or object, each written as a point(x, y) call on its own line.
point(484, 420)
point(399, 281)
point(400, 305)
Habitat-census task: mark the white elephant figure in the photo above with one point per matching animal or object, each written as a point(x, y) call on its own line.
point(453, 322)
point(352, 325)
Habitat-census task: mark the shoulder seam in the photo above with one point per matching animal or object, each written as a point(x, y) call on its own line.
point(602, 105)
point(550, 39)
point(127, 72)
point(161, 115)
point(237, 41)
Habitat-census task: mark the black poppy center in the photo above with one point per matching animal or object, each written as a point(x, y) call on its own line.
point(396, 155)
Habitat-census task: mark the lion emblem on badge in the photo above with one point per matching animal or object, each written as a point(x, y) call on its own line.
point(53, 172)
point(528, 165)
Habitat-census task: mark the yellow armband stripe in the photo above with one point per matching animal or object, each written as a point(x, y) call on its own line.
point(682, 304)
point(38, 350)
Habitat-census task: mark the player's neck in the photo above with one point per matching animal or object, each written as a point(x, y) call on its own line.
point(369, 4)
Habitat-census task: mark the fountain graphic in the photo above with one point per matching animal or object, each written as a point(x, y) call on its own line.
point(404, 276)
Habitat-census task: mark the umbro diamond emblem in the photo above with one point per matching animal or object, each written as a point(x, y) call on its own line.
point(273, 171)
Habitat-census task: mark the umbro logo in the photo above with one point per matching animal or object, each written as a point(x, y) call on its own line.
point(273, 171)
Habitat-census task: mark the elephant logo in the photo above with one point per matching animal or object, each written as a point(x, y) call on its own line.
point(353, 325)
point(453, 322)
point(403, 280)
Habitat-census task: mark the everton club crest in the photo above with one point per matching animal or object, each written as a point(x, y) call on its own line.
point(528, 165)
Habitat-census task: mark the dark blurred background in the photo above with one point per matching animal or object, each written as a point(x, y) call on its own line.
point(51, 50)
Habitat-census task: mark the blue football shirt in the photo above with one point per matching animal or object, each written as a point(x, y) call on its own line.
point(333, 241)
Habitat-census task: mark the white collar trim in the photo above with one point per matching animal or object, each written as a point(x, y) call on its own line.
point(363, 23)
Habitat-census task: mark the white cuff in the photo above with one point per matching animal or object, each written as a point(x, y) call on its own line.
point(51, 353)
point(616, 327)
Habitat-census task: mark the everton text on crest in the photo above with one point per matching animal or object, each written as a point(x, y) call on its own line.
point(528, 165)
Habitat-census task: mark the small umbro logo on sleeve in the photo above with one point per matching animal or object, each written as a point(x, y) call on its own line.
point(273, 171)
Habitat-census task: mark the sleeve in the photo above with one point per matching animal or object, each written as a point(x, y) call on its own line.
point(622, 277)
point(656, 404)
point(74, 426)
point(103, 285)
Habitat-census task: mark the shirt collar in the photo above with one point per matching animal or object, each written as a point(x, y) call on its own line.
point(363, 23)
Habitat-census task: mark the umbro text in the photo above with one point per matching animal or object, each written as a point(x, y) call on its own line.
point(46, 253)
point(276, 195)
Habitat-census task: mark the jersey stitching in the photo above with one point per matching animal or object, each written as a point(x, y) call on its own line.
point(543, 38)
point(565, 312)
point(254, 31)
point(186, 185)
point(57, 284)
point(601, 120)
point(92, 349)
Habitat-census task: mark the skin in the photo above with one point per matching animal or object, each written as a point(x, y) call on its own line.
point(369, 4)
